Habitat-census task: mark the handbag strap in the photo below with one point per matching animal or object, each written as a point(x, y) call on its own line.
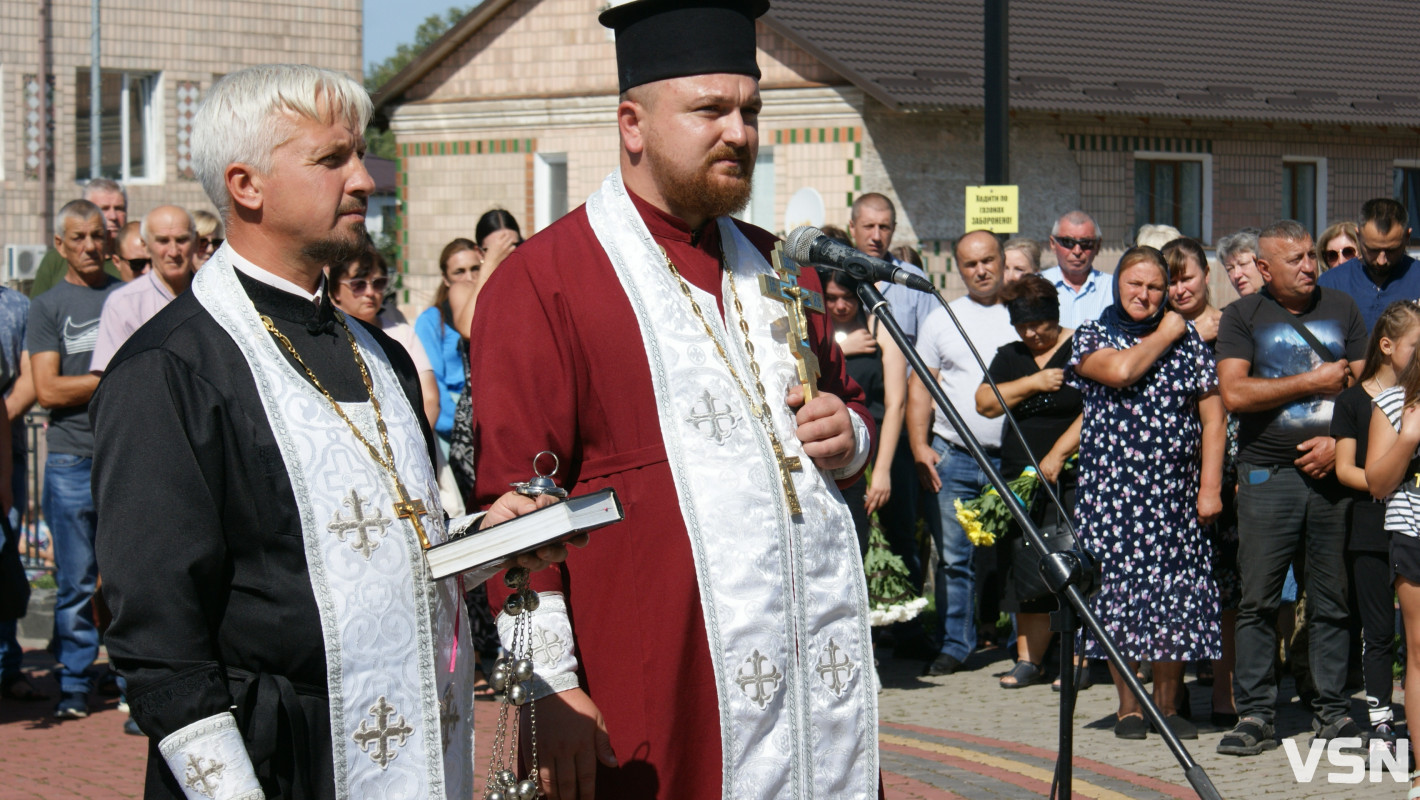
point(1307, 336)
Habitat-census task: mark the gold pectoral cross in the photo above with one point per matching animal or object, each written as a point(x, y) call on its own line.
point(787, 464)
point(783, 288)
point(412, 510)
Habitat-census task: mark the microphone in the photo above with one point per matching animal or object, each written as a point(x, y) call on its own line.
point(808, 245)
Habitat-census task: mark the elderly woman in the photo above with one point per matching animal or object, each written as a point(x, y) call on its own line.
point(1336, 245)
point(1238, 255)
point(1022, 258)
point(1030, 375)
point(1151, 459)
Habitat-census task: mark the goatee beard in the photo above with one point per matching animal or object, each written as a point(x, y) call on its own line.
point(336, 250)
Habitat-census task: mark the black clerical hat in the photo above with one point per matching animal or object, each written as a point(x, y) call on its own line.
point(659, 39)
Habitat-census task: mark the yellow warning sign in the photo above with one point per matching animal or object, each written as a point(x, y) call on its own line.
point(993, 208)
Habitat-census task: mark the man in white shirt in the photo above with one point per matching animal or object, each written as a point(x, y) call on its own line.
point(1084, 291)
point(944, 465)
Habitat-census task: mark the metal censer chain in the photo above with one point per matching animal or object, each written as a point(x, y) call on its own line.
point(514, 670)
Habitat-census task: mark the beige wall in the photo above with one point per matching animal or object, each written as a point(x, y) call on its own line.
point(543, 72)
point(187, 42)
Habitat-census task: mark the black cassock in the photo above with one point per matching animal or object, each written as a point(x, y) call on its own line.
point(199, 538)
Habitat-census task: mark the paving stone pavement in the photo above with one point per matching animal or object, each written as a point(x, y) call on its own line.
point(1009, 738)
point(957, 737)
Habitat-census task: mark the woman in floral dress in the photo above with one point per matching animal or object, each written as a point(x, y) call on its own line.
point(1151, 454)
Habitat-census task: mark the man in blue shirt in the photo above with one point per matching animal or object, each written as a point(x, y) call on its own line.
point(1084, 291)
point(1383, 272)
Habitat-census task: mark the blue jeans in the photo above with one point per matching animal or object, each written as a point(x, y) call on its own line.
point(11, 654)
point(961, 480)
point(69, 510)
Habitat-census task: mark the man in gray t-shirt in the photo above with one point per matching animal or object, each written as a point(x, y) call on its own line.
point(62, 330)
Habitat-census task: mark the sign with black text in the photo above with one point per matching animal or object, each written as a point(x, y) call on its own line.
point(993, 208)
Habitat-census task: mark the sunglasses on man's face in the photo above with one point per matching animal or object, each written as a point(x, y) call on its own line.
point(1070, 243)
point(139, 264)
point(359, 285)
point(1344, 254)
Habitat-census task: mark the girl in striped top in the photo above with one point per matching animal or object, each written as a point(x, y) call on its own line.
point(1392, 344)
point(1393, 474)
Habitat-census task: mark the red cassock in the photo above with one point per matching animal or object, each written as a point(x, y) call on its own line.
point(558, 364)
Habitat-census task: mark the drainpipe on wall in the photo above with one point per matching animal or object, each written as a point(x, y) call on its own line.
point(96, 108)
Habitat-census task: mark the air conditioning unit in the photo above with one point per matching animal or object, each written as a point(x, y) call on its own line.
point(22, 261)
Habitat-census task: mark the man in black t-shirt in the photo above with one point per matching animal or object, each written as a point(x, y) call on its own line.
point(1283, 355)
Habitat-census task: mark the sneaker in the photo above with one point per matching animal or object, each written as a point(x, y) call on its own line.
point(123, 705)
point(72, 705)
point(1341, 728)
point(1250, 737)
point(131, 728)
point(1383, 735)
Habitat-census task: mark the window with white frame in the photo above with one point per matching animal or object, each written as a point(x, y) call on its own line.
point(129, 125)
point(549, 188)
point(761, 196)
point(1407, 191)
point(1304, 192)
point(1175, 189)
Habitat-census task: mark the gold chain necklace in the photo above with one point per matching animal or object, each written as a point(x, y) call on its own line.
point(760, 410)
point(406, 508)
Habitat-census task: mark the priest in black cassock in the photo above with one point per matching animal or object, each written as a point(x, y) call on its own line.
point(264, 484)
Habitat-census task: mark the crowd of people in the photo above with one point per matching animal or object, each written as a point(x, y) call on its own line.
point(1118, 385)
point(1213, 460)
point(1219, 463)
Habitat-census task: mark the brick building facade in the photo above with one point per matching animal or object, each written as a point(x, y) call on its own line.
point(1149, 113)
point(160, 59)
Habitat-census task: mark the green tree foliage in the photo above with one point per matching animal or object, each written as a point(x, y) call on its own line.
point(381, 141)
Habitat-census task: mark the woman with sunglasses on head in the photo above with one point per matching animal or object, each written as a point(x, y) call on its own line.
point(358, 289)
point(1336, 245)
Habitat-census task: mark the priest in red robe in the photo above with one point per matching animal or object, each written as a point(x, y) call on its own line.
point(716, 643)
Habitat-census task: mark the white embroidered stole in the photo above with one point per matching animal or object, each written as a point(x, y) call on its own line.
point(401, 721)
point(786, 603)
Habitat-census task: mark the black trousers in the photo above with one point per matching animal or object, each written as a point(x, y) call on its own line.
point(1375, 604)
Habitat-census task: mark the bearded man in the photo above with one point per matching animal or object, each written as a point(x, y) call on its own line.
point(716, 644)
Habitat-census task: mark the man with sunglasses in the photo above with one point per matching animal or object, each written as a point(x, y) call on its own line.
point(1383, 272)
point(1084, 291)
point(170, 236)
point(130, 255)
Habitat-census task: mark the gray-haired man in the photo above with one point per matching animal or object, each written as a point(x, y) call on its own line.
point(63, 325)
point(111, 199)
point(272, 611)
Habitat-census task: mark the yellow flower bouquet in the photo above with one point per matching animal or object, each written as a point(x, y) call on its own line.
point(987, 517)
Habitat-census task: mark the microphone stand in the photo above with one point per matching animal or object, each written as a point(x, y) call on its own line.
point(1064, 572)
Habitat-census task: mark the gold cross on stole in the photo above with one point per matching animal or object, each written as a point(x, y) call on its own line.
point(783, 287)
point(412, 510)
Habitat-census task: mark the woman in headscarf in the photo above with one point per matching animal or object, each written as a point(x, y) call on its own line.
point(1151, 456)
